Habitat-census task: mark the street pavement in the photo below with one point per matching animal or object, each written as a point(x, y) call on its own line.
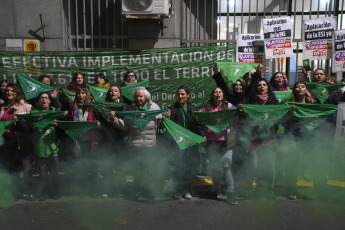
point(74, 213)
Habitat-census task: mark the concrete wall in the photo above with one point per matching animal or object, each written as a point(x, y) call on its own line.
point(149, 33)
point(20, 16)
point(17, 17)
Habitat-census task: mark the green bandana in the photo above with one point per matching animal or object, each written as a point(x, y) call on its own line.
point(312, 115)
point(103, 107)
point(76, 129)
point(283, 96)
point(234, 70)
point(40, 119)
point(69, 95)
point(216, 121)
point(128, 90)
point(265, 116)
point(145, 107)
point(141, 118)
point(183, 137)
point(32, 87)
point(4, 125)
point(306, 64)
point(322, 90)
point(98, 93)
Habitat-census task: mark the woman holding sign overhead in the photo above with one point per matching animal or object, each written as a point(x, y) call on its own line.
point(185, 161)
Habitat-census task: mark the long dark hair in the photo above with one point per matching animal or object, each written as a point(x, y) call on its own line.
point(252, 96)
point(273, 79)
point(74, 83)
point(243, 83)
point(211, 104)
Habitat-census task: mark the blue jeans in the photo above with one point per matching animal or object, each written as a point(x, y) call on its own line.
point(220, 162)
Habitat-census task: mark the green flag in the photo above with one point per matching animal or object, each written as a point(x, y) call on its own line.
point(98, 93)
point(283, 96)
point(234, 70)
point(32, 87)
point(128, 90)
point(69, 95)
point(265, 116)
point(312, 115)
point(41, 119)
point(104, 107)
point(306, 64)
point(183, 137)
point(216, 121)
point(76, 129)
point(4, 125)
point(322, 90)
point(141, 117)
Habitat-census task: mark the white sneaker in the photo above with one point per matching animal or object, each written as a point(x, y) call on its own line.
point(188, 196)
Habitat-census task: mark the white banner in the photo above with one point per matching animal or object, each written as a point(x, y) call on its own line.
point(250, 48)
point(318, 38)
point(277, 34)
point(338, 64)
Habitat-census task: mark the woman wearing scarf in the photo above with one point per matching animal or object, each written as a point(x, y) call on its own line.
point(85, 146)
point(219, 148)
point(185, 161)
point(45, 145)
point(143, 157)
point(17, 141)
point(262, 143)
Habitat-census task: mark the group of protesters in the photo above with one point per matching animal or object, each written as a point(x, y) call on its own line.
point(143, 156)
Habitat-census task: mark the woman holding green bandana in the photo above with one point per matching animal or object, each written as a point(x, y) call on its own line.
point(185, 161)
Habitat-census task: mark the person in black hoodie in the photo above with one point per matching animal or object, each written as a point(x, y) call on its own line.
point(237, 94)
point(182, 113)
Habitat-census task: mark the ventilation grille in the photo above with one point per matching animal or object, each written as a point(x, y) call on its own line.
point(137, 5)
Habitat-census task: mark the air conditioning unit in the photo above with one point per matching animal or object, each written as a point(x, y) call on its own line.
point(145, 7)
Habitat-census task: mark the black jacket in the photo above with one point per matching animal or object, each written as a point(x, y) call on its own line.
point(229, 95)
point(177, 117)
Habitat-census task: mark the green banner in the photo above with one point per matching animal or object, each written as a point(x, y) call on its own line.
point(31, 87)
point(312, 115)
point(183, 137)
point(166, 69)
point(141, 117)
point(323, 90)
point(216, 121)
point(283, 96)
point(98, 93)
point(235, 70)
point(76, 129)
point(103, 107)
point(128, 90)
point(265, 116)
